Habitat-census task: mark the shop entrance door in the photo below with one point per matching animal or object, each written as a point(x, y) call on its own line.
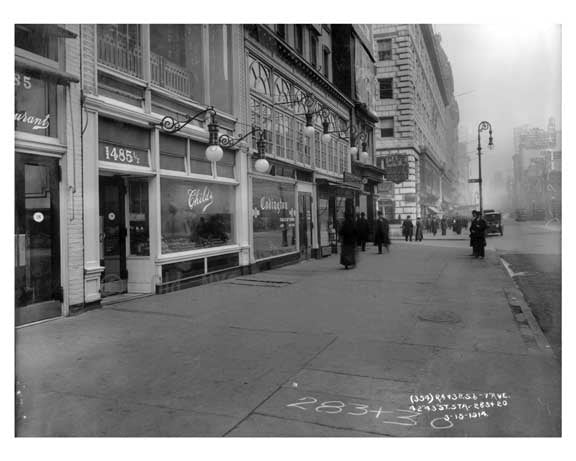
point(113, 236)
point(305, 227)
point(38, 294)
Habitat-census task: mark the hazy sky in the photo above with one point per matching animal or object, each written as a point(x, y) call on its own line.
point(512, 76)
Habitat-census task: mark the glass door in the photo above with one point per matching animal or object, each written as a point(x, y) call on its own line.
point(38, 294)
point(305, 223)
point(113, 236)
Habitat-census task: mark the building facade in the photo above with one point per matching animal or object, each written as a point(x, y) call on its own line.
point(537, 167)
point(48, 232)
point(417, 142)
point(116, 193)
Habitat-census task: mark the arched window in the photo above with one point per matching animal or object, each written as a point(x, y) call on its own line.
point(282, 91)
point(259, 78)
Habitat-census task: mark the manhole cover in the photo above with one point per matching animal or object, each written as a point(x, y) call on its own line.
point(440, 317)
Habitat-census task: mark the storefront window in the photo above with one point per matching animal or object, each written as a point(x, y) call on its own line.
point(273, 218)
point(36, 103)
point(198, 162)
point(139, 218)
point(196, 215)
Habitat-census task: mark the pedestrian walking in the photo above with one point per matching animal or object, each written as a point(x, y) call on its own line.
point(363, 230)
point(418, 236)
point(434, 226)
point(348, 237)
point(443, 225)
point(478, 234)
point(408, 228)
point(382, 233)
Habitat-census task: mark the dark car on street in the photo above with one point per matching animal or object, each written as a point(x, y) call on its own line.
point(494, 222)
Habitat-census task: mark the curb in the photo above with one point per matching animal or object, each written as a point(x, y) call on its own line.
point(530, 331)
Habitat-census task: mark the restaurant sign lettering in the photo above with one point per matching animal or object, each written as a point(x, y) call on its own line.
point(396, 168)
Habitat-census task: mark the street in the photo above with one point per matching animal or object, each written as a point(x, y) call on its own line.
point(533, 251)
point(423, 341)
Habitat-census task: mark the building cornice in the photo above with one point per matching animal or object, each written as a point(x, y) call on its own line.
point(430, 42)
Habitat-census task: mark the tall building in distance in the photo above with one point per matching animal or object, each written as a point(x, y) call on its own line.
point(417, 135)
point(537, 167)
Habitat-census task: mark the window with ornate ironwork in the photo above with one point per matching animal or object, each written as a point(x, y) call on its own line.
point(290, 138)
point(323, 155)
point(331, 166)
point(299, 141)
point(282, 91)
point(280, 133)
point(317, 157)
point(384, 49)
point(308, 150)
point(341, 156)
point(119, 47)
point(259, 77)
point(262, 118)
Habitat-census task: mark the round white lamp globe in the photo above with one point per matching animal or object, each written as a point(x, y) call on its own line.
point(261, 165)
point(214, 153)
point(364, 156)
point(353, 150)
point(326, 138)
point(309, 130)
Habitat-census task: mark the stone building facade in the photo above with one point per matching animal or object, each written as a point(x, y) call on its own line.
point(417, 137)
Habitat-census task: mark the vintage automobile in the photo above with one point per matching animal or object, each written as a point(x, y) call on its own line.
point(494, 222)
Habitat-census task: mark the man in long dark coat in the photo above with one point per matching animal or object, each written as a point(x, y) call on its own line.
point(363, 230)
point(382, 233)
point(349, 238)
point(418, 236)
point(477, 235)
point(408, 228)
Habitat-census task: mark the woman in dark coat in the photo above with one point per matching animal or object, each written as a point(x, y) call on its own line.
point(348, 237)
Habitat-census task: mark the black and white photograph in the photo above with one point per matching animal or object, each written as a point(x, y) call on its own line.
point(263, 228)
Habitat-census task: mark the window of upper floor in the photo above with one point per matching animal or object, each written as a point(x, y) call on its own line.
point(326, 61)
point(299, 38)
point(313, 57)
point(384, 48)
point(387, 127)
point(386, 88)
point(190, 60)
point(281, 31)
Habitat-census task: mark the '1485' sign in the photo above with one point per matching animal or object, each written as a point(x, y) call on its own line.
point(121, 154)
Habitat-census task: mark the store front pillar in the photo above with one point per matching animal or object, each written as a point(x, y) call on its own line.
point(92, 267)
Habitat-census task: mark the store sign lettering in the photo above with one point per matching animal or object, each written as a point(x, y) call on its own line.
point(200, 197)
point(37, 123)
point(121, 154)
point(269, 203)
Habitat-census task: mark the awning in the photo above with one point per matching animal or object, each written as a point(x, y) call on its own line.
point(38, 69)
point(339, 185)
point(433, 209)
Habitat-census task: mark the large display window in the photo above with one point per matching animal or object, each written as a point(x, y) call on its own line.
point(273, 218)
point(196, 215)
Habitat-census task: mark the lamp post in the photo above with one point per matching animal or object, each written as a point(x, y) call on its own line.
point(482, 126)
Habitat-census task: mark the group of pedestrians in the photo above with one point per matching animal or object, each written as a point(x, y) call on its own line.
point(356, 234)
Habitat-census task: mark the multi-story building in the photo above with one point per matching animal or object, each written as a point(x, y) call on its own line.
point(417, 142)
point(48, 167)
point(537, 170)
point(188, 153)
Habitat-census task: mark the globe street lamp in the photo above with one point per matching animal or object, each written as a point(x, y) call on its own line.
point(483, 126)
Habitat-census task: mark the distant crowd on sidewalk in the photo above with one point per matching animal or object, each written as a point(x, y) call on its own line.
point(354, 234)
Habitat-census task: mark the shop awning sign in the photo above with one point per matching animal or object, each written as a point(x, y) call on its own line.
point(396, 167)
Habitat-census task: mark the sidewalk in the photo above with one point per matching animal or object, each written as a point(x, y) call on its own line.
point(306, 350)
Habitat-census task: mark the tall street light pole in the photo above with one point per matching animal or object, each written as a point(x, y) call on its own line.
point(483, 126)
